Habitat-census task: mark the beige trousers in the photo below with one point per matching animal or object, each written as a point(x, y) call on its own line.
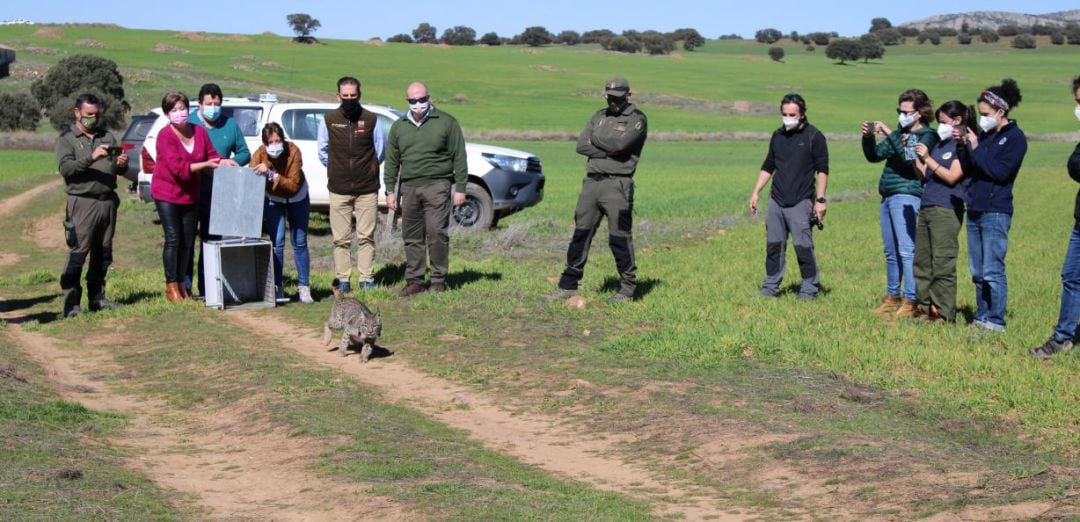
point(342, 210)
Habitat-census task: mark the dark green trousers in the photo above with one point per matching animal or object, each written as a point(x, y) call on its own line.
point(425, 218)
point(936, 247)
point(611, 197)
point(89, 227)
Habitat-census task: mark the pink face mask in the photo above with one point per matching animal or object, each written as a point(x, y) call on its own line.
point(178, 117)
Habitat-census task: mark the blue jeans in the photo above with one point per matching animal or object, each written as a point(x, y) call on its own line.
point(899, 214)
point(274, 216)
point(1070, 290)
point(988, 242)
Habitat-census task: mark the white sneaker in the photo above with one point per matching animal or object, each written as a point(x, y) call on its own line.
point(305, 294)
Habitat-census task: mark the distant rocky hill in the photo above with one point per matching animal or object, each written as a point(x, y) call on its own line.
point(995, 19)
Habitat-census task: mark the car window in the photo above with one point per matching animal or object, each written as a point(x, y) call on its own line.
point(302, 124)
point(140, 125)
point(247, 118)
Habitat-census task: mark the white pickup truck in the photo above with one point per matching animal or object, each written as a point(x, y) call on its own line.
point(501, 180)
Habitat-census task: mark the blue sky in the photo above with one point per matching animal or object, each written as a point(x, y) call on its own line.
point(346, 19)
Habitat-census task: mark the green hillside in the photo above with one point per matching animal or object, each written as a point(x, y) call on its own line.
point(554, 88)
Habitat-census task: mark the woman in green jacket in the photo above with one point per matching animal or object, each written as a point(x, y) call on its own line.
point(901, 190)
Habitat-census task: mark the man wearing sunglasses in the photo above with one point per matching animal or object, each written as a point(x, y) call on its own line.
point(427, 150)
point(351, 147)
point(612, 142)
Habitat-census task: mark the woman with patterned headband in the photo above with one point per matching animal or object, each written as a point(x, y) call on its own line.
point(995, 155)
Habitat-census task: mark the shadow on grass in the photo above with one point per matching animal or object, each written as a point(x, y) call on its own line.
point(793, 288)
point(40, 317)
point(644, 286)
point(139, 297)
point(377, 352)
point(390, 274)
point(12, 305)
point(965, 314)
point(459, 279)
point(394, 274)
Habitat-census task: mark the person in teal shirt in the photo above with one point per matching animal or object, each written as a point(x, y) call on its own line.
point(228, 141)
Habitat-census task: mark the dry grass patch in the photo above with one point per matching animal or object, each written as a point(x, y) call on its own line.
point(49, 32)
point(163, 48)
point(92, 44)
point(203, 37)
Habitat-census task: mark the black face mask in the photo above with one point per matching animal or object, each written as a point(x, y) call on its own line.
point(616, 103)
point(351, 106)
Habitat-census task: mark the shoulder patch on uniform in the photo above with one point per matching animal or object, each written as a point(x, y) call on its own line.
point(638, 125)
point(947, 155)
point(1003, 140)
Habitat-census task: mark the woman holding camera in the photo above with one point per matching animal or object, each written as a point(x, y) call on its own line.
point(286, 198)
point(941, 214)
point(184, 152)
point(900, 187)
point(996, 155)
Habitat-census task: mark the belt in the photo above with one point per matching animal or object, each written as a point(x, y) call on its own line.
point(107, 196)
point(595, 175)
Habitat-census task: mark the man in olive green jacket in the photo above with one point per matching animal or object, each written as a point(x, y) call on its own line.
point(89, 160)
point(612, 142)
point(427, 149)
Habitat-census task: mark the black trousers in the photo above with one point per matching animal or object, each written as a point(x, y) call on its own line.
point(178, 223)
point(205, 197)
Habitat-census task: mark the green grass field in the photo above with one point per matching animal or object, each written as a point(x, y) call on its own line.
point(872, 400)
point(555, 88)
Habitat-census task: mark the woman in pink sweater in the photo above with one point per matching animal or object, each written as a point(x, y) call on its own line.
point(184, 152)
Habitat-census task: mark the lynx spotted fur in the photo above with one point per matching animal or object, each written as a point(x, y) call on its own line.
point(356, 322)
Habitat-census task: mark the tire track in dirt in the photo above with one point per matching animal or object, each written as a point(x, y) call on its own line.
point(236, 469)
point(9, 205)
point(539, 440)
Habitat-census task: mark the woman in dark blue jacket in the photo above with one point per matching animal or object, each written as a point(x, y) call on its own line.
point(995, 155)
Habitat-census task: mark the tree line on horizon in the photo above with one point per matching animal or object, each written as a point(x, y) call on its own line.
point(872, 44)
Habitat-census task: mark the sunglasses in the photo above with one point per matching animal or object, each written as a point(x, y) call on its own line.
point(414, 101)
point(898, 111)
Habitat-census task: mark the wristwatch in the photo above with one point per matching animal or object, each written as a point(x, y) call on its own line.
point(822, 200)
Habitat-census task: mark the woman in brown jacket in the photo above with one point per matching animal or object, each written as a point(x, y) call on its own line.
point(286, 198)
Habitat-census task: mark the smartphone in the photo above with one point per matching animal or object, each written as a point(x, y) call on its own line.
point(114, 151)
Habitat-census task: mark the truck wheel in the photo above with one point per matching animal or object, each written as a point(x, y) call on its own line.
point(477, 212)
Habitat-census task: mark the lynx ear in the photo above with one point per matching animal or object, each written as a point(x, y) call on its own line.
point(378, 313)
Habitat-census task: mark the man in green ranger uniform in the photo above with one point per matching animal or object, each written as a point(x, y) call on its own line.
point(612, 141)
point(89, 160)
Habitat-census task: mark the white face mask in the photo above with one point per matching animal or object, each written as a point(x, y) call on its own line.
point(790, 122)
point(988, 123)
point(1077, 113)
point(419, 109)
point(906, 120)
point(944, 131)
point(275, 150)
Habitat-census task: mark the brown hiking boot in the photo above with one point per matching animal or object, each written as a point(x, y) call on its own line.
point(411, 289)
point(907, 309)
point(888, 305)
point(437, 287)
point(934, 314)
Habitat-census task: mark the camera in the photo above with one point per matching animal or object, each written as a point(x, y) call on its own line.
point(114, 151)
point(910, 142)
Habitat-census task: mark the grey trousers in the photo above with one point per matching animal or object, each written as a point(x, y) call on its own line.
point(89, 228)
point(779, 223)
point(425, 218)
